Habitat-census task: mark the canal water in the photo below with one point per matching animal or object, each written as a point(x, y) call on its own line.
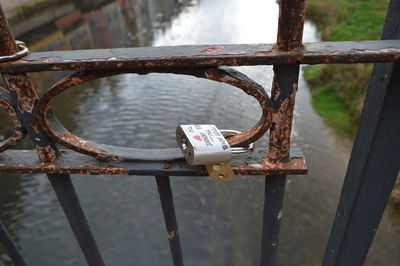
point(220, 223)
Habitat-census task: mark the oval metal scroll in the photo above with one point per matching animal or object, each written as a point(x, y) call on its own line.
point(19, 132)
point(57, 132)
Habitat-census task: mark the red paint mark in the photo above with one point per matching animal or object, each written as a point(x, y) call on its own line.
point(214, 49)
point(197, 137)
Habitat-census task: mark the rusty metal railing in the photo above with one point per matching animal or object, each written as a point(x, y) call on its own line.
point(32, 116)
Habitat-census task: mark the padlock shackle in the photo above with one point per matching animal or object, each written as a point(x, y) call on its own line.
point(238, 151)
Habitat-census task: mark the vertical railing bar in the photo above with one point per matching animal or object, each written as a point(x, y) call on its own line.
point(369, 180)
point(284, 88)
point(66, 194)
point(273, 202)
point(167, 204)
point(25, 101)
point(374, 163)
point(10, 246)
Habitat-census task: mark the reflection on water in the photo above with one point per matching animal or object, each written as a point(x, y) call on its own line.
point(220, 223)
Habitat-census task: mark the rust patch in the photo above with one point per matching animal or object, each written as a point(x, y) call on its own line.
point(18, 133)
point(58, 169)
point(46, 154)
point(67, 139)
point(290, 33)
point(291, 24)
point(279, 139)
point(76, 143)
point(67, 166)
point(253, 89)
point(266, 167)
point(116, 159)
point(171, 235)
point(23, 86)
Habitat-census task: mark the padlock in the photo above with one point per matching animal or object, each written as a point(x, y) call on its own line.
point(206, 145)
point(202, 144)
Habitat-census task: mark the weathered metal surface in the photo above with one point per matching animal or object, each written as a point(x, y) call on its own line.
point(374, 164)
point(57, 132)
point(284, 88)
point(21, 53)
point(24, 101)
point(290, 24)
point(274, 192)
point(69, 201)
point(167, 205)
point(25, 161)
point(349, 241)
point(22, 95)
point(18, 132)
point(199, 56)
point(285, 81)
point(283, 93)
point(10, 246)
point(252, 88)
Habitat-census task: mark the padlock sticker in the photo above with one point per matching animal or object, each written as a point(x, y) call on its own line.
point(205, 137)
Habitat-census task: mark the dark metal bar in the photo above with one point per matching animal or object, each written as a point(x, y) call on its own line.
point(374, 163)
point(69, 201)
point(10, 246)
point(273, 202)
point(167, 204)
point(207, 56)
point(25, 100)
point(284, 88)
point(154, 162)
point(371, 174)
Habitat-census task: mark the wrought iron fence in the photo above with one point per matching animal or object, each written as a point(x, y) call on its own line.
point(372, 169)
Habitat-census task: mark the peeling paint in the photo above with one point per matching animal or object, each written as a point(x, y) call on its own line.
point(213, 49)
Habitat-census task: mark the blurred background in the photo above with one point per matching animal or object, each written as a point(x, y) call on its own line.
point(220, 224)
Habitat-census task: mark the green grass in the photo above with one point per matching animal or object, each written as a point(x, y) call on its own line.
point(328, 105)
point(312, 73)
point(338, 90)
point(345, 20)
point(364, 22)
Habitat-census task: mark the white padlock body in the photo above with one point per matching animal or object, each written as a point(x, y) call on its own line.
point(203, 144)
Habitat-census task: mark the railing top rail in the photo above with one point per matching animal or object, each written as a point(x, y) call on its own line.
point(206, 56)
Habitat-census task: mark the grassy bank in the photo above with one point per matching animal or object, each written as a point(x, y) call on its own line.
point(326, 101)
point(338, 90)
